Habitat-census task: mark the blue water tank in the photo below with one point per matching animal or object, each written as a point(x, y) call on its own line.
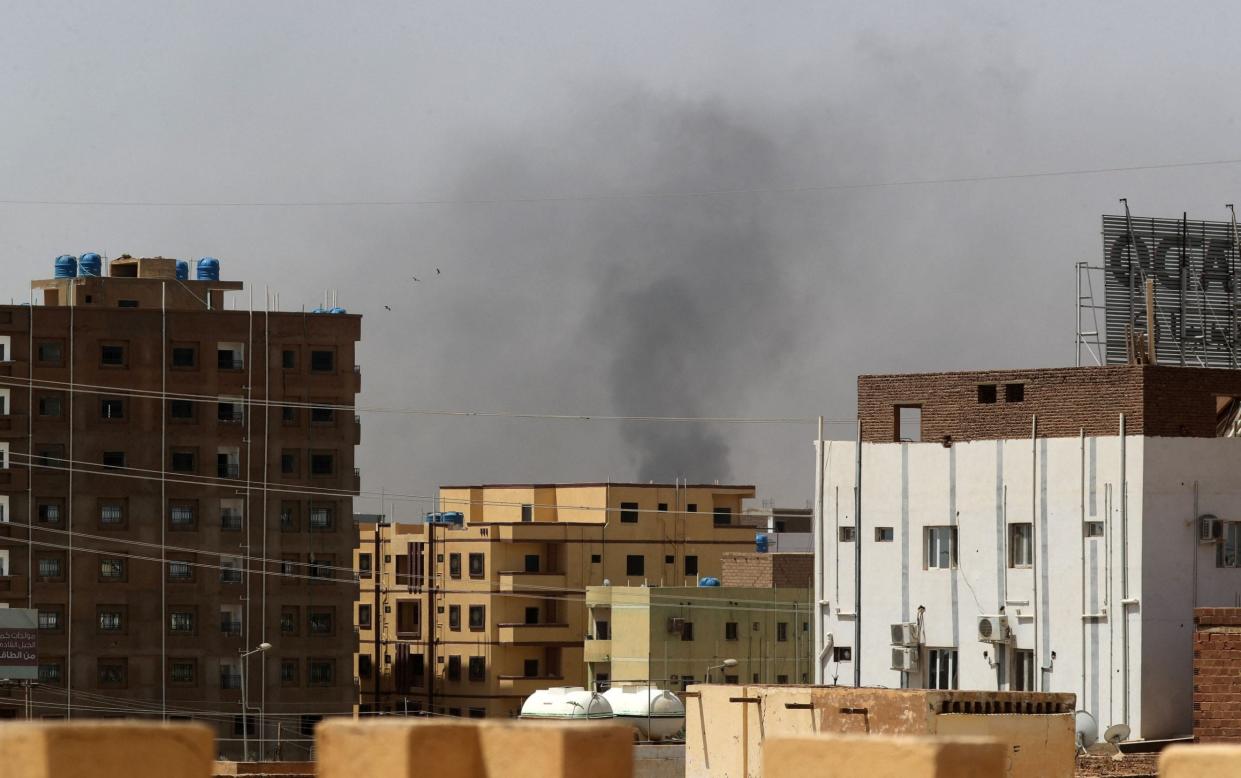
point(66, 266)
point(183, 270)
point(454, 517)
point(90, 264)
point(338, 309)
point(318, 309)
point(760, 543)
point(208, 269)
point(708, 581)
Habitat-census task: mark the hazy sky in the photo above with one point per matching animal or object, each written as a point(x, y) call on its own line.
point(519, 124)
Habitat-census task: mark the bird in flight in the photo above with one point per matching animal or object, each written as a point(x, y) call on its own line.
point(415, 278)
point(387, 307)
point(437, 271)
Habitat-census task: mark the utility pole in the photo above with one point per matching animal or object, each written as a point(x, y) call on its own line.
point(377, 621)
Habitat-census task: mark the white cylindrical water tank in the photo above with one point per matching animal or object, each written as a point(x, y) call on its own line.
point(657, 714)
point(566, 703)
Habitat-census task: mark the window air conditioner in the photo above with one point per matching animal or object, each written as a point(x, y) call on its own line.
point(905, 659)
point(1210, 529)
point(675, 624)
point(993, 629)
point(905, 634)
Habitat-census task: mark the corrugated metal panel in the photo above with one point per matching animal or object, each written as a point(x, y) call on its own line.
point(1194, 265)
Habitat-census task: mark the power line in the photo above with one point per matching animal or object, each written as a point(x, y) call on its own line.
point(615, 196)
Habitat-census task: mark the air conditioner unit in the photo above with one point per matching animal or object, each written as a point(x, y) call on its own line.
point(905, 634)
point(1210, 529)
point(905, 659)
point(675, 624)
point(993, 629)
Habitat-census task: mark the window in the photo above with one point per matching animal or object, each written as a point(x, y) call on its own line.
point(182, 671)
point(322, 464)
point(49, 673)
point(1020, 547)
point(230, 412)
point(322, 672)
point(230, 569)
point(478, 668)
point(691, 564)
point(1023, 670)
point(184, 356)
point(288, 672)
point(364, 665)
point(454, 618)
point(322, 415)
point(288, 619)
point(50, 353)
point(180, 409)
point(112, 513)
point(181, 515)
point(722, 517)
point(322, 361)
point(909, 423)
point(114, 459)
point(454, 668)
point(111, 408)
point(113, 672)
point(49, 406)
point(288, 359)
point(110, 619)
point(603, 630)
point(50, 567)
point(691, 507)
point(884, 534)
point(320, 518)
point(409, 618)
point(629, 513)
point(364, 565)
point(288, 415)
point(288, 516)
point(454, 565)
point(230, 356)
point(1014, 393)
point(288, 462)
point(49, 512)
point(670, 559)
point(842, 654)
point(635, 564)
point(941, 668)
point(687, 631)
point(596, 558)
point(126, 303)
point(49, 619)
point(320, 565)
point(730, 630)
point(477, 713)
point(663, 507)
point(476, 565)
point(986, 394)
point(478, 617)
point(112, 355)
point(1093, 529)
point(319, 622)
point(940, 545)
point(180, 570)
point(1226, 552)
point(846, 534)
point(111, 569)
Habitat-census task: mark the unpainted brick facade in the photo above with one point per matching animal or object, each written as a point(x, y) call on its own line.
point(1217, 675)
point(779, 570)
point(1158, 401)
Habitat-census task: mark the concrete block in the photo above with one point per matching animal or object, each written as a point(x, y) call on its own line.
point(106, 749)
point(405, 748)
point(877, 756)
point(1200, 761)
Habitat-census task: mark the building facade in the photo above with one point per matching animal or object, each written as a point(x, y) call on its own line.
point(475, 614)
point(1081, 513)
point(674, 636)
point(176, 490)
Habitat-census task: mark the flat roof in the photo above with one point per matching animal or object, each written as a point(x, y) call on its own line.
point(572, 484)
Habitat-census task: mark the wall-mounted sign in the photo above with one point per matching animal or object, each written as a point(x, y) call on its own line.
point(19, 632)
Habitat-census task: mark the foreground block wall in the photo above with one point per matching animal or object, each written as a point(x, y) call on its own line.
point(1217, 675)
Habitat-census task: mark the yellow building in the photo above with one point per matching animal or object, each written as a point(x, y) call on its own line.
point(475, 616)
point(673, 636)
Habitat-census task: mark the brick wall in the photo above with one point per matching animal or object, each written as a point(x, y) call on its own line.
point(1217, 674)
point(786, 570)
point(1156, 400)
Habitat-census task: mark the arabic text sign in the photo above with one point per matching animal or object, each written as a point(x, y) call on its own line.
point(19, 631)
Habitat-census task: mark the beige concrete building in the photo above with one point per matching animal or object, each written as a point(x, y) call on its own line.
point(475, 616)
point(673, 636)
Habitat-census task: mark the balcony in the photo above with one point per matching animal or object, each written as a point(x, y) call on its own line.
point(357, 430)
point(230, 520)
point(228, 470)
point(230, 680)
point(230, 415)
point(520, 581)
point(597, 651)
point(535, 634)
point(230, 627)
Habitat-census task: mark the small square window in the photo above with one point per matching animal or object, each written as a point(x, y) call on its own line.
point(180, 409)
point(884, 534)
point(183, 461)
point(847, 534)
point(322, 415)
point(842, 653)
point(596, 558)
point(1014, 393)
point(288, 359)
point(180, 570)
point(50, 353)
point(115, 459)
point(49, 406)
point(112, 355)
point(635, 564)
point(184, 357)
point(629, 513)
point(986, 394)
point(670, 559)
point(1093, 529)
point(322, 464)
point(111, 408)
point(322, 361)
point(663, 507)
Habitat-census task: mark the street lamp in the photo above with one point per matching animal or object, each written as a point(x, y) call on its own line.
point(245, 723)
point(721, 665)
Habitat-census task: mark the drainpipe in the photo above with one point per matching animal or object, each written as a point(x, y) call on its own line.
point(1125, 602)
point(819, 559)
point(1034, 560)
point(857, 562)
point(1082, 531)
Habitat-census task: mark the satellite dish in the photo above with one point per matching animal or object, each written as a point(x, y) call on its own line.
point(1116, 733)
point(1086, 727)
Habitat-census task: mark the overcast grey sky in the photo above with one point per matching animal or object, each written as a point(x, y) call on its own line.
point(756, 304)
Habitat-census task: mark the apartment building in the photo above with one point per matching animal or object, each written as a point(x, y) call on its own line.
point(163, 517)
point(674, 636)
point(1048, 530)
point(485, 604)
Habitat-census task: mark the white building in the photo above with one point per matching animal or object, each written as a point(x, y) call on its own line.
point(1016, 494)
